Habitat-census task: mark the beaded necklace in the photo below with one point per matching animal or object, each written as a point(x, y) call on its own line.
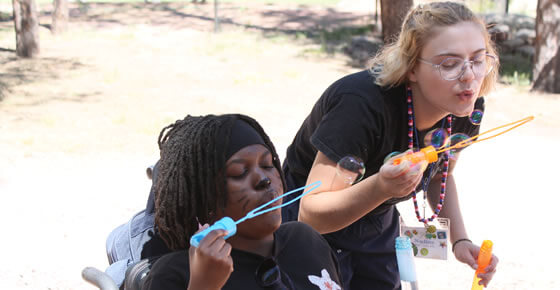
point(425, 181)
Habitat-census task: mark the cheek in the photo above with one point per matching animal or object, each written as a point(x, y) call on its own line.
point(434, 86)
point(239, 200)
point(277, 179)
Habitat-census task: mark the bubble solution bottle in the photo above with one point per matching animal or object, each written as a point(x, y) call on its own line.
point(405, 261)
point(484, 257)
point(428, 154)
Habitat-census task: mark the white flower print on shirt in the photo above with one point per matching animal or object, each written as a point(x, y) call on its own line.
point(324, 282)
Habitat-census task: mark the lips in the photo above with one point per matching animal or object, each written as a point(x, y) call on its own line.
point(466, 95)
point(268, 196)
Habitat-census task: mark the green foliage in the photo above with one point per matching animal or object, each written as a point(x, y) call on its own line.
point(332, 39)
point(516, 70)
point(482, 6)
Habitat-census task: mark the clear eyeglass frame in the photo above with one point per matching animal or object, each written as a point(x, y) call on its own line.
point(490, 61)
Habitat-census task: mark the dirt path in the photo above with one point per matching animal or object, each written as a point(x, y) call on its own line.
point(79, 125)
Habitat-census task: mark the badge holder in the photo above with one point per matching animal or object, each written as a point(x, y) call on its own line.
point(430, 241)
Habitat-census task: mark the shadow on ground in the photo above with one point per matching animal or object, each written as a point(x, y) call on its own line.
point(329, 28)
point(325, 26)
point(15, 71)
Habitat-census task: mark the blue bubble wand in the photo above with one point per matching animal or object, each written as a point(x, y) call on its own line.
point(228, 224)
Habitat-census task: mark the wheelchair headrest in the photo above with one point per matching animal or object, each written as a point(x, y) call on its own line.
point(150, 205)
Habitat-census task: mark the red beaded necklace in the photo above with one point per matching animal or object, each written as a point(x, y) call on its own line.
point(411, 132)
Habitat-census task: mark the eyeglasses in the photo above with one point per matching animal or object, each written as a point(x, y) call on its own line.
point(268, 275)
point(453, 68)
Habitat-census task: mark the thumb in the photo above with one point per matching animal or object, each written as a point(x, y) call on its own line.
point(390, 170)
point(470, 260)
point(467, 256)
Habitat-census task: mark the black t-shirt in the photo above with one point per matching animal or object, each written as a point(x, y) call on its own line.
point(354, 116)
point(303, 256)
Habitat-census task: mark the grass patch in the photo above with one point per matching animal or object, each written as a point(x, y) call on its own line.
point(328, 41)
point(516, 70)
point(332, 41)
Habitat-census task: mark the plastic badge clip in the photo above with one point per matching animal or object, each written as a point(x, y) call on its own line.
point(227, 223)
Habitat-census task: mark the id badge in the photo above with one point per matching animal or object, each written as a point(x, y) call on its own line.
point(428, 241)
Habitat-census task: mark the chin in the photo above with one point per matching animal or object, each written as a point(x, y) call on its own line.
point(464, 111)
point(264, 225)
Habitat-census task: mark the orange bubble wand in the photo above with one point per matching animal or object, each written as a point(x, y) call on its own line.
point(430, 153)
point(484, 257)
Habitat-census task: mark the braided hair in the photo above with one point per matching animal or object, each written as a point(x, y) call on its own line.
point(191, 184)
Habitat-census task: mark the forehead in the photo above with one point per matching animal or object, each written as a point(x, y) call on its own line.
point(459, 39)
point(251, 151)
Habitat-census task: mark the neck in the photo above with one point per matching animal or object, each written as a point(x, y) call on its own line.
point(262, 247)
point(425, 115)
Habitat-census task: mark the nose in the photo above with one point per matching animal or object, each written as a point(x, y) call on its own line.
point(468, 72)
point(263, 182)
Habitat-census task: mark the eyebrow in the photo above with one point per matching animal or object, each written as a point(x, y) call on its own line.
point(458, 55)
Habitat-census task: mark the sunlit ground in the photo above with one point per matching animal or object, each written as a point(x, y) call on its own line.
point(79, 125)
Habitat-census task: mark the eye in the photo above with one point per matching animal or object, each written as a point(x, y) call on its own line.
point(266, 161)
point(236, 172)
point(480, 59)
point(267, 166)
point(451, 63)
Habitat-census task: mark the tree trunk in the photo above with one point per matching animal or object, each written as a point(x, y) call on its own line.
point(546, 71)
point(59, 16)
point(392, 16)
point(27, 28)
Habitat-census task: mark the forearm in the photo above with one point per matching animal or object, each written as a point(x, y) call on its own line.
point(451, 208)
point(330, 211)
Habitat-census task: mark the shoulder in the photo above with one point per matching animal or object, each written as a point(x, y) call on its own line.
point(306, 256)
point(173, 257)
point(293, 233)
point(354, 95)
point(169, 272)
point(359, 83)
point(479, 103)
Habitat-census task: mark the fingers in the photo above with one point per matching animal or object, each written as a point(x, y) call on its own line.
point(493, 264)
point(214, 240)
point(214, 248)
point(201, 228)
point(489, 271)
point(389, 170)
point(400, 179)
point(467, 253)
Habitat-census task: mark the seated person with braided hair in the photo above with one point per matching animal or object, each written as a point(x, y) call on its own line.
point(224, 166)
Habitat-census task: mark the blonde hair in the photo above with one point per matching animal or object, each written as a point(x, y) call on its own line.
point(392, 64)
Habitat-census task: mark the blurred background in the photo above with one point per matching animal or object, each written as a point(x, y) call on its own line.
point(84, 95)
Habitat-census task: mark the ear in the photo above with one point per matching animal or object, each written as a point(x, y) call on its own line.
point(412, 75)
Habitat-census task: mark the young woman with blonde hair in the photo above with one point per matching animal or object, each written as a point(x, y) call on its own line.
point(433, 76)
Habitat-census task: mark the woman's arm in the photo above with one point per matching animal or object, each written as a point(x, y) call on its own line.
point(334, 206)
point(465, 251)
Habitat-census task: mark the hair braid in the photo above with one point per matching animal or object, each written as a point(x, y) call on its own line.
point(190, 188)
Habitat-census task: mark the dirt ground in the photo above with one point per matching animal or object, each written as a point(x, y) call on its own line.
point(78, 127)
